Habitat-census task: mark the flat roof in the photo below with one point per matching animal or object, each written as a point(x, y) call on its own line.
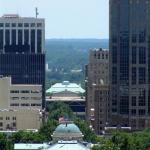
point(65, 86)
point(72, 99)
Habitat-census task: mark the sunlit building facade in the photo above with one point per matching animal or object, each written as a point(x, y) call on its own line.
point(22, 53)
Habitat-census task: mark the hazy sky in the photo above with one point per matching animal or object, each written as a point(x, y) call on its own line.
point(65, 18)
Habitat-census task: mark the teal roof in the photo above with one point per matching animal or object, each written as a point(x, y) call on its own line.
point(69, 128)
point(65, 86)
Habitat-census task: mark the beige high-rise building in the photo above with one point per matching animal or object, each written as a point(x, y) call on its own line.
point(97, 89)
point(20, 105)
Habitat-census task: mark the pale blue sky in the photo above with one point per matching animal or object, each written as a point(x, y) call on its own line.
point(65, 18)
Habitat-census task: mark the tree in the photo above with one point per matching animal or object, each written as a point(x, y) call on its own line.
point(5, 144)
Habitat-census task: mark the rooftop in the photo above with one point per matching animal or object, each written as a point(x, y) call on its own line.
point(67, 128)
point(65, 86)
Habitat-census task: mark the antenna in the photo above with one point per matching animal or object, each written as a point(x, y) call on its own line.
point(36, 12)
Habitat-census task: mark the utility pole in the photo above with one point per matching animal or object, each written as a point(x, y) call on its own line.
point(36, 12)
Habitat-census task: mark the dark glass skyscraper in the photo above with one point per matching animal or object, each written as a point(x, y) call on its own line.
point(130, 62)
point(22, 50)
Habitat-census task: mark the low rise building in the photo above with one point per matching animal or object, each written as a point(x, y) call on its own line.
point(69, 93)
point(20, 119)
point(20, 105)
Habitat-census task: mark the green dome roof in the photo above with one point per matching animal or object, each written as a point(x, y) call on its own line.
point(69, 128)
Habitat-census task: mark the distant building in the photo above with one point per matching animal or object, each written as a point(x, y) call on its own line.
point(69, 93)
point(97, 89)
point(22, 55)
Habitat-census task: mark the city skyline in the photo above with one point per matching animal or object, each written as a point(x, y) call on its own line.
point(65, 19)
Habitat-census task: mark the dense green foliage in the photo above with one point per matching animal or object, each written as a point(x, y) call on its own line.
point(126, 141)
point(66, 55)
point(59, 109)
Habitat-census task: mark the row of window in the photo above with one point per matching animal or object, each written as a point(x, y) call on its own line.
point(13, 124)
point(21, 24)
point(8, 118)
point(141, 112)
point(101, 56)
point(25, 91)
point(25, 104)
point(26, 98)
point(142, 55)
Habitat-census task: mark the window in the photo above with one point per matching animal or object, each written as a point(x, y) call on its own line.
point(1, 118)
point(134, 55)
point(7, 118)
point(142, 97)
point(24, 98)
point(141, 112)
point(25, 91)
point(39, 41)
point(39, 24)
point(13, 36)
point(133, 112)
point(14, 104)
point(26, 37)
point(14, 98)
point(26, 25)
point(134, 75)
point(19, 24)
point(36, 98)
point(13, 24)
point(1, 24)
point(35, 104)
point(124, 104)
point(114, 75)
point(14, 91)
point(14, 124)
point(142, 55)
point(14, 118)
point(7, 25)
point(33, 41)
point(25, 104)
point(114, 54)
point(1, 41)
point(142, 75)
point(32, 24)
point(20, 37)
point(1, 124)
point(133, 100)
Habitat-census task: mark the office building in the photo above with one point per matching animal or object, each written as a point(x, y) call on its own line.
point(20, 105)
point(130, 62)
point(97, 89)
point(22, 53)
point(18, 96)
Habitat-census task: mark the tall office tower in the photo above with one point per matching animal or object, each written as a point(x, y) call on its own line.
point(22, 53)
point(97, 89)
point(130, 62)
